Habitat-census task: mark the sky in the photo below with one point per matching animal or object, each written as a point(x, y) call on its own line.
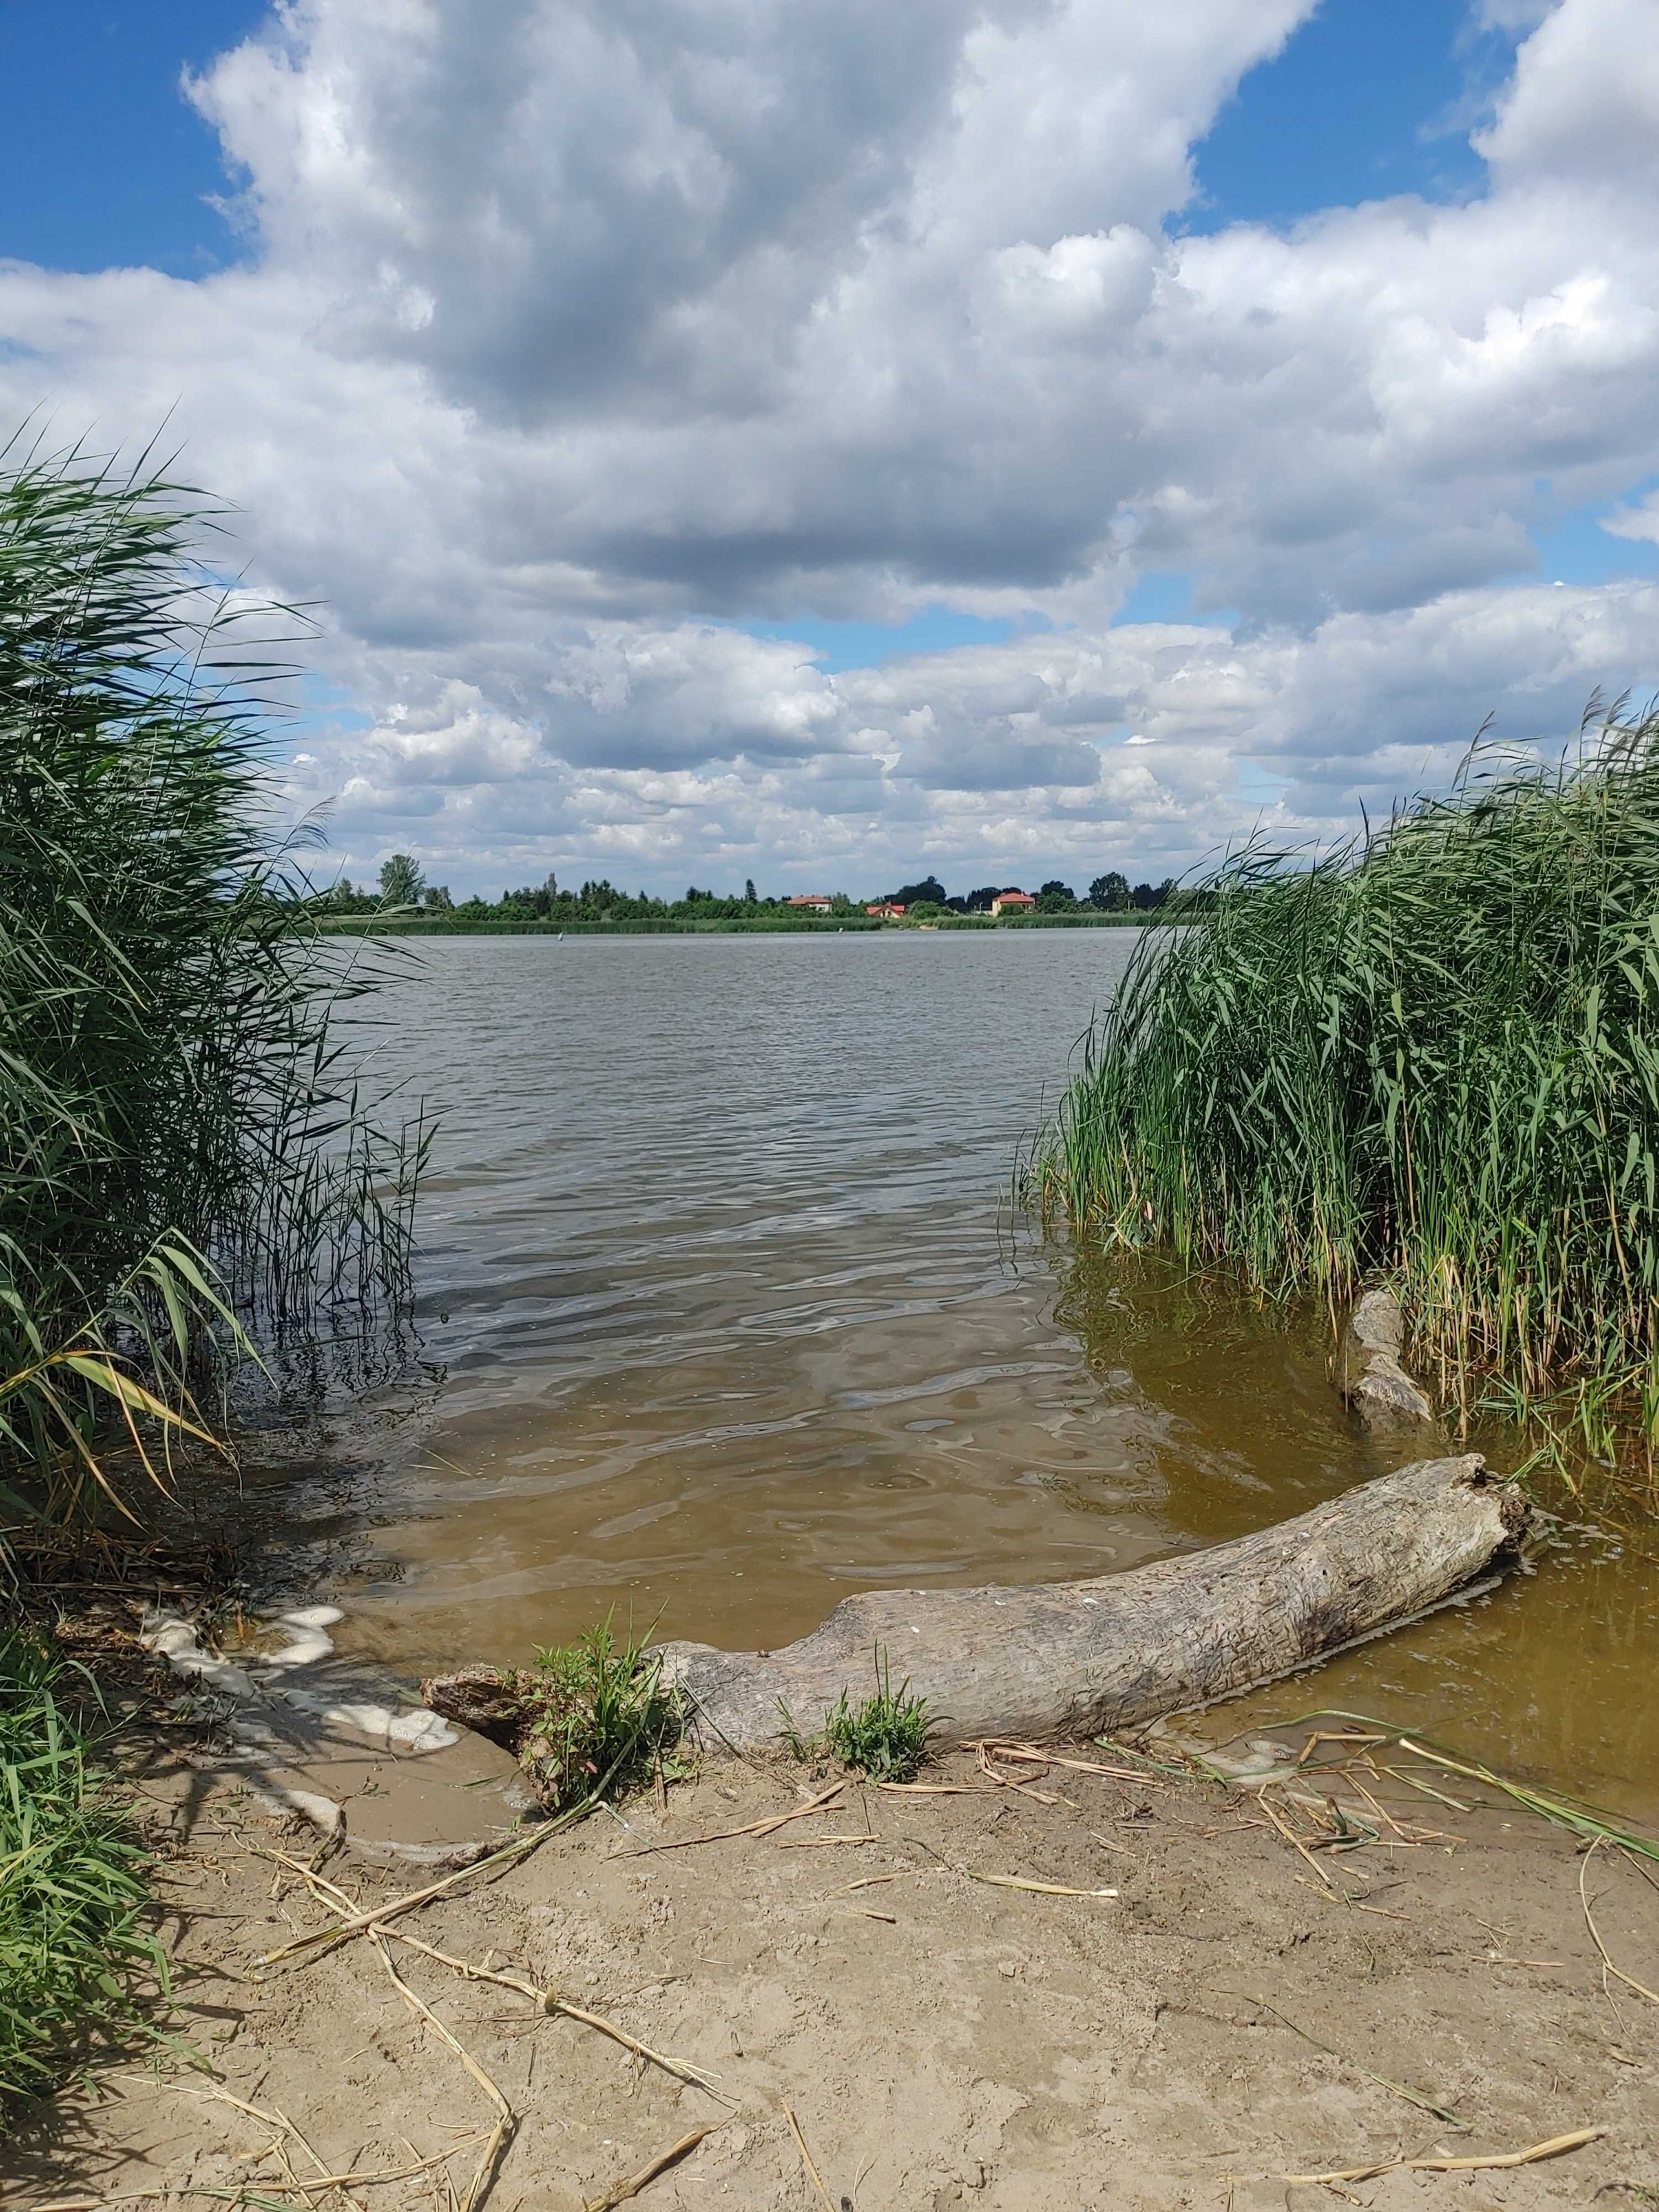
point(825, 442)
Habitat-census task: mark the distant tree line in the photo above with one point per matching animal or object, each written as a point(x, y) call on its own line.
point(403, 887)
point(1107, 894)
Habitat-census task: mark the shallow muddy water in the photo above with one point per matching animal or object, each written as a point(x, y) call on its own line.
point(724, 1314)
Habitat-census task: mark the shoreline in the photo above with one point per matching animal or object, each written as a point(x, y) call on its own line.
point(853, 926)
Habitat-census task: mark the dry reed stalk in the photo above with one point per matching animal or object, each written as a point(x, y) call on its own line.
point(1337, 1736)
point(1414, 1782)
point(1040, 1888)
point(1607, 1966)
point(620, 2192)
point(1490, 2162)
point(822, 1842)
point(816, 2177)
point(505, 2119)
point(1294, 1841)
point(1033, 1754)
point(548, 2000)
point(1401, 2088)
point(358, 1924)
point(936, 1789)
point(763, 1827)
point(1012, 1782)
point(278, 2121)
point(1338, 1898)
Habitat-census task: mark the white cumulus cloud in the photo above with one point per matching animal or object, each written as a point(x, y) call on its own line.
point(570, 336)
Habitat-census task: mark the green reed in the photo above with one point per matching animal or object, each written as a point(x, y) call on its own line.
point(1433, 1054)
point(76, 1954)
point(186, 1161)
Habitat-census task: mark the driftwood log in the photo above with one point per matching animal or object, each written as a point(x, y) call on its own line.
point(1067, 1658)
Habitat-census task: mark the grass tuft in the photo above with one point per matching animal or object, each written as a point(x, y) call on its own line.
point(591, 1709)
point(885, 1737)
point(1433, 1054)
point(76, 1956)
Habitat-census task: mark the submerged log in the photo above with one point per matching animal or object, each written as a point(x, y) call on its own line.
point(1371, 1370)
point(1072, 1658)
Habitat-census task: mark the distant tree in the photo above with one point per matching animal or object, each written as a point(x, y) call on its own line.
point(401, 881)
point(978, 902)
point(749, 897)
point(1109, 893)
point(1056, 897)
point(924, 910)
point(1147, 896)
point(436, 898)
point(928, 892)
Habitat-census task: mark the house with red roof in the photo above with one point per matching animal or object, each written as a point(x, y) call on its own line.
point(1013, 901)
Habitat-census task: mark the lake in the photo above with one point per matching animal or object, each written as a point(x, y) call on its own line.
point(724, 1311)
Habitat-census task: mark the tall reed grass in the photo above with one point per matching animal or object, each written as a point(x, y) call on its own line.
point(1433, 1054)
point(76, 1952)
point(186, 1161)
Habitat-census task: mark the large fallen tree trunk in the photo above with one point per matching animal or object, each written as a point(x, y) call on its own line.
point(1066, 1658)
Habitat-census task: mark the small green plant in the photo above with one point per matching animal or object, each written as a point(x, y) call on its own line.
point(597, 1715)
point(75, 1954)
point(886, 1736)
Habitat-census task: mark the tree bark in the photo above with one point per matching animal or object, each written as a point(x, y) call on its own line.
point(1076, 1658)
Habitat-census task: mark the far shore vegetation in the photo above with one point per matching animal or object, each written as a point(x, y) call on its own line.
point(1431, 1056)
point(403, 899)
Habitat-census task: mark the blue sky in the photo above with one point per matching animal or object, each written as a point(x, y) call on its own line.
point(551, 381)
point(102, 161)
point(1369, 98)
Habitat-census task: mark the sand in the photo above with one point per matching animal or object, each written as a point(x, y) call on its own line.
point(941, 2041)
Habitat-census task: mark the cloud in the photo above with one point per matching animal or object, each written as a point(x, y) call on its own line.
point(575, 335)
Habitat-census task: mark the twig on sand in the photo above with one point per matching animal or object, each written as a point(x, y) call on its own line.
point(1041, 1889)
point(551, 2001)
point(505, 2119)
point(276, 2119)
point(1479, 2164)
point(763, 1827)
point(620, 2192)
point(1401, 2088)
point(1332, 1896)
point(1607, 1966)
point(938, 1788)
point(358, 1924)
point(822, 1842)
point(1031, 1755)
point(548, 2000)
point(1295, 1841)
point(813, 2175)
point(215, 2092)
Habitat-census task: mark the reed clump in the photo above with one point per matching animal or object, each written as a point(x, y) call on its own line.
point(76, 1955)
point(185, 1163)
point(1433, 1054)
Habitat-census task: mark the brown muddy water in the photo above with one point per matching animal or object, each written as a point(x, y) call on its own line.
point(725, 1313)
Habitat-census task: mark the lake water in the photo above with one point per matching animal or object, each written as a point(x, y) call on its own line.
point(725, 1313)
